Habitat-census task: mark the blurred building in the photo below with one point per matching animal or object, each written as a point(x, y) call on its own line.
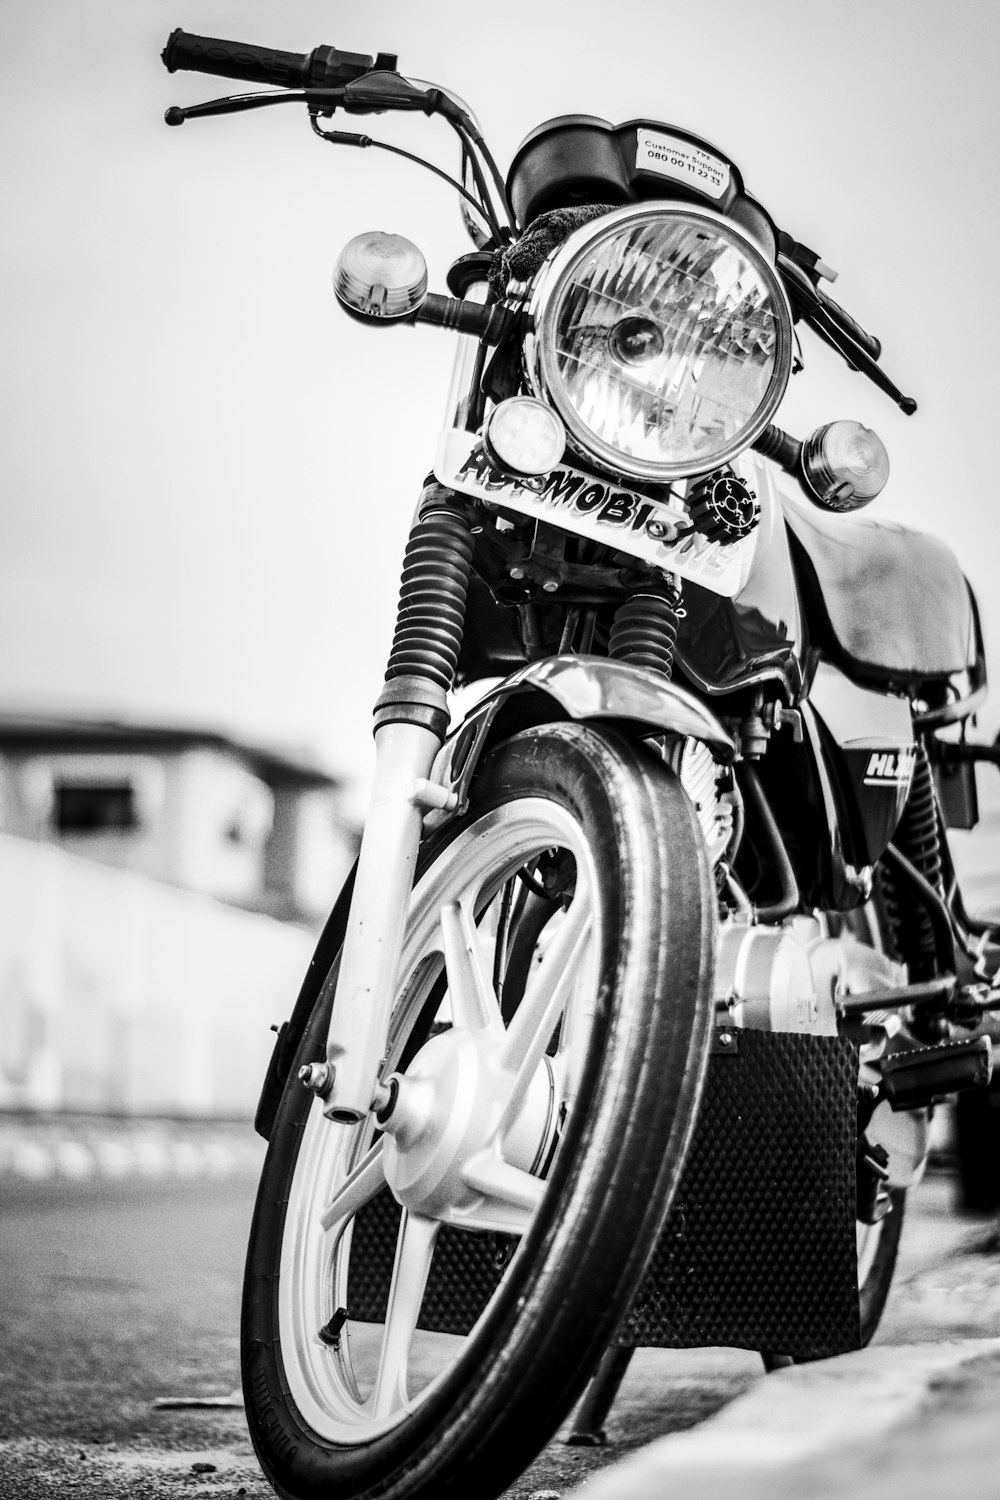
point(193, 808)
point(160, 891)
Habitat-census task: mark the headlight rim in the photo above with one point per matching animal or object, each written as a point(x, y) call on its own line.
point(539, 351)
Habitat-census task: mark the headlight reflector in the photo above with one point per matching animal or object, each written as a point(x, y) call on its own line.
point(662, 336)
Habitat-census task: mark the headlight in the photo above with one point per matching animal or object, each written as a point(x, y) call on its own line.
point(662, 337)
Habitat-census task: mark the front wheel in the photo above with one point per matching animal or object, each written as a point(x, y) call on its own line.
point(549, 1039)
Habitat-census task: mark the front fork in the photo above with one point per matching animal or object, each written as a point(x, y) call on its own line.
point(411, 721)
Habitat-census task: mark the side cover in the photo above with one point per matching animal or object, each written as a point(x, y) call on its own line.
point(871, 751)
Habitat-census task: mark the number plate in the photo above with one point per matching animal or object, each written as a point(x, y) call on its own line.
point(653, 530)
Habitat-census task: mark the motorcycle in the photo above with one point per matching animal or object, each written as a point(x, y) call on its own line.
point(628, 1024)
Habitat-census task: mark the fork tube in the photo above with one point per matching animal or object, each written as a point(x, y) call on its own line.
point(411, 720)
point(403, 754)
point(461, 389)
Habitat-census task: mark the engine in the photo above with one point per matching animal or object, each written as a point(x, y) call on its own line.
point(788, 978)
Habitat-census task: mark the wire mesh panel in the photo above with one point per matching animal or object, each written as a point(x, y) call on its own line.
point(759, 1248)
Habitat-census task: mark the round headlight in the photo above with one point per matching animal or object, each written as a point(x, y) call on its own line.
point(662, 337)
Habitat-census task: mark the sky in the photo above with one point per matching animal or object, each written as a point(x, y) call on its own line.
point(210, 470)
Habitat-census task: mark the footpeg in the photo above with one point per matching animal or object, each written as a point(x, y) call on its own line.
point(915, 1078)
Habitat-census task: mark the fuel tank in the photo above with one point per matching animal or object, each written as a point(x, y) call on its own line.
point(887, 604)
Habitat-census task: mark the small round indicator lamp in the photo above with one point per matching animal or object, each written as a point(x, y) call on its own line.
point(844, 465)
point(524, 437)
point(380, 278)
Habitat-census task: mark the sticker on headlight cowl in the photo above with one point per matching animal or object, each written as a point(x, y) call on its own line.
point(658, 533)
point(672, 156)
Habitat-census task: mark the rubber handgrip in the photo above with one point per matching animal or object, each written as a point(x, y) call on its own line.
point(207, 54)
point(867, 341)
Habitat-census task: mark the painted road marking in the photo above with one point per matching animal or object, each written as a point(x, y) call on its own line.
point(54, 1152)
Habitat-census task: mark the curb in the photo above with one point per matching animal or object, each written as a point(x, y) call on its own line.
point(821, 1412)
point(82, 1148)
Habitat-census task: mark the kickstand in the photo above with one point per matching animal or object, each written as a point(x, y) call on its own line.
point(774, 1361)
point(588, 1424)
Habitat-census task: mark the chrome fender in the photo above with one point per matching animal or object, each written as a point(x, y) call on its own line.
point(583, 688)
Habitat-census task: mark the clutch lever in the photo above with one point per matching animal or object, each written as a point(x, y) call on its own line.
point(373, 93)
point(235, 103)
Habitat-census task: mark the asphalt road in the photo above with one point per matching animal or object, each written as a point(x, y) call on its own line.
point(114, 1295)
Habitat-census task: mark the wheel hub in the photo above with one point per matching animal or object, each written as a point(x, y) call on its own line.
point(448, 1109)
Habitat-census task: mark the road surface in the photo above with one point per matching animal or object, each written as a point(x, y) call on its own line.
point(119, 1291)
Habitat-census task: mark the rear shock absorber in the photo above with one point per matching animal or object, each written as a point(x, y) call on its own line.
point(918, 838)
point(644, 631)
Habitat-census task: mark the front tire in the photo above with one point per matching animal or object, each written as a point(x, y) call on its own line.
point(594, 1012)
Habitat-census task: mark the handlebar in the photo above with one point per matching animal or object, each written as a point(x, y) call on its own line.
point(812, 303)
point(861, 350)
point(803, 270)
point(327, 79)
point(322, 68)
point(838, 315)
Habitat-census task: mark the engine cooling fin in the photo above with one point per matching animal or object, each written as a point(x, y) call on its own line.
point(702, 778)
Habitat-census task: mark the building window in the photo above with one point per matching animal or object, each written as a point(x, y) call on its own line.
point(94, 807)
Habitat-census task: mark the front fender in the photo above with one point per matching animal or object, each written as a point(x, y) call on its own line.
point(573, 687)
point(560, 687)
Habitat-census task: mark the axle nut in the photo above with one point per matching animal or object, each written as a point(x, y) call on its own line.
point(318, 1077)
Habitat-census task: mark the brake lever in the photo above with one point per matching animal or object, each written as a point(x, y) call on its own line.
point(810, 306)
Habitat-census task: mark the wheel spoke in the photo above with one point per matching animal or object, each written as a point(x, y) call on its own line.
point(545, 996)
point(511, 1194)
point(473, 1000)
point(414, 1249)
point(355, 1191)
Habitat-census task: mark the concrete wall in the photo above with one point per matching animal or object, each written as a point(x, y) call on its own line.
point(121, 994)
point(216, 819)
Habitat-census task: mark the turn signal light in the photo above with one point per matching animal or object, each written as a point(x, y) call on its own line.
point(844, 465)
point(380, 277)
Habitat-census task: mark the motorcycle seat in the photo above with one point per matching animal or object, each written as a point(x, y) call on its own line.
point(887, 603)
